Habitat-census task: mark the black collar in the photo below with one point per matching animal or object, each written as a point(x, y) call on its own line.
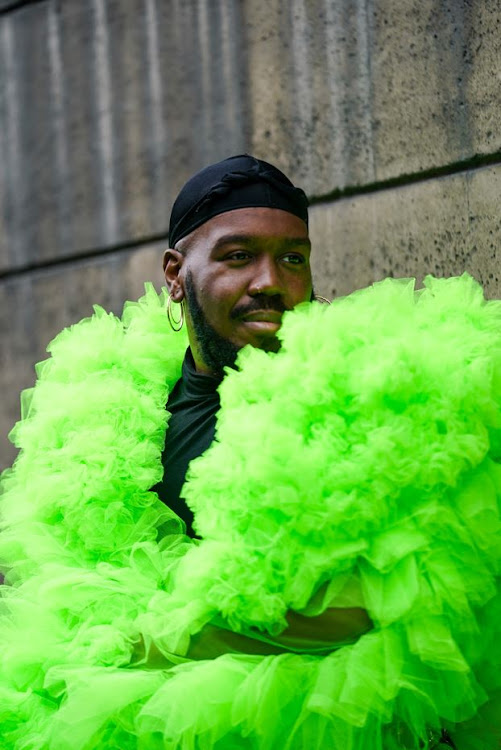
point(197, 385)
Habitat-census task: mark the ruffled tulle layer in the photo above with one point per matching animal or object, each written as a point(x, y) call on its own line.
point(357, 467)
point(368, 695)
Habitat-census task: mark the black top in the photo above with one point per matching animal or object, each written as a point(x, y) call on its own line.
point(193, 404)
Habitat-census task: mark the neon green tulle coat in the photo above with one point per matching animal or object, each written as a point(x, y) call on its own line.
point(361, 462)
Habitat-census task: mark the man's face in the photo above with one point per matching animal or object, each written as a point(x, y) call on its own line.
point(238, 273)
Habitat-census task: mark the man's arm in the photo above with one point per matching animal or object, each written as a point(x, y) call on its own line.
point(335, 616)
point(315, 635)
point(321, 634)
point(334, 627)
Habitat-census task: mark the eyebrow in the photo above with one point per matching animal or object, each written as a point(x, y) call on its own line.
point(250, 239)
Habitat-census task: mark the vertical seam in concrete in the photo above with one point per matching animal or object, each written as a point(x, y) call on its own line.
point(205, 68)
point(158, 129)
point(247, 123)
point(154, 77)
point(5, 197)
point(302, 84)
point(11, 146)
point(364, 34)
point(467, 178)
point(229, 68)
point(337, 159)
point(59, 120)
point(105, 123)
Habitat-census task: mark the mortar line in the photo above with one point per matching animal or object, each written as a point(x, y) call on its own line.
point(447, 170)
point(18, 4)
point(471, 164)
point(83, 255)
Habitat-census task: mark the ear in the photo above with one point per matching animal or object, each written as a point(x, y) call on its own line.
point(172, 263)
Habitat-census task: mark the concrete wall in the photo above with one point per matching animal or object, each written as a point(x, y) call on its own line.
point(384, 110)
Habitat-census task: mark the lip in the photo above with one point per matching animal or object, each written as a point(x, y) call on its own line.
point(263, 316)
point(267, 327)
point(263, 321)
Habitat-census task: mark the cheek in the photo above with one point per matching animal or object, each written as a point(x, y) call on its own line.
point(300, 291)
point(219, 294)
point(217, 300)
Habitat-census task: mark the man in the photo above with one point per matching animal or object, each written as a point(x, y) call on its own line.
point(239, 258)
point(351, 472)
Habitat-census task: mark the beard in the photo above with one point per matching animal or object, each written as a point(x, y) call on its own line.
point(216, 351)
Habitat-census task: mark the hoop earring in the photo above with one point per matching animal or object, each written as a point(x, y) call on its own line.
point(176, 325)
point(323, 300)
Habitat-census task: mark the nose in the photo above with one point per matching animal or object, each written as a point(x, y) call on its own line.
point(266, 278)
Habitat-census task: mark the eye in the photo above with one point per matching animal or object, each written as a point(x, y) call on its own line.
point(295, 259)
point(237, 256)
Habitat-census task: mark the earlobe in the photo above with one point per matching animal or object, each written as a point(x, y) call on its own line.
point(172, 263)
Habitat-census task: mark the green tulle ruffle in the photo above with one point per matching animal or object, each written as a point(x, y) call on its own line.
point(359, 466)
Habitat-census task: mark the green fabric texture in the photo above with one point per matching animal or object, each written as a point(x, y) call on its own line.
point(359, 466)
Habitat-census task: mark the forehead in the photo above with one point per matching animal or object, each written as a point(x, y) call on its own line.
point(258, 223)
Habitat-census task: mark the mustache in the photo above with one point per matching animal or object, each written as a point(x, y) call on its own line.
point(260, 302)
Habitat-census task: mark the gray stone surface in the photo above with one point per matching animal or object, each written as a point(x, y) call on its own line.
point(35, 307)
point(348, 93)
point(107, 106)
point(310, 89)
point(434, 83)
point(442, 226)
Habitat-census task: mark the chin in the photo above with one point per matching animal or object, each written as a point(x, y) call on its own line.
point(268, 345)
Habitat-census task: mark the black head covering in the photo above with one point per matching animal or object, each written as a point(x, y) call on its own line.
point(237, 182)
